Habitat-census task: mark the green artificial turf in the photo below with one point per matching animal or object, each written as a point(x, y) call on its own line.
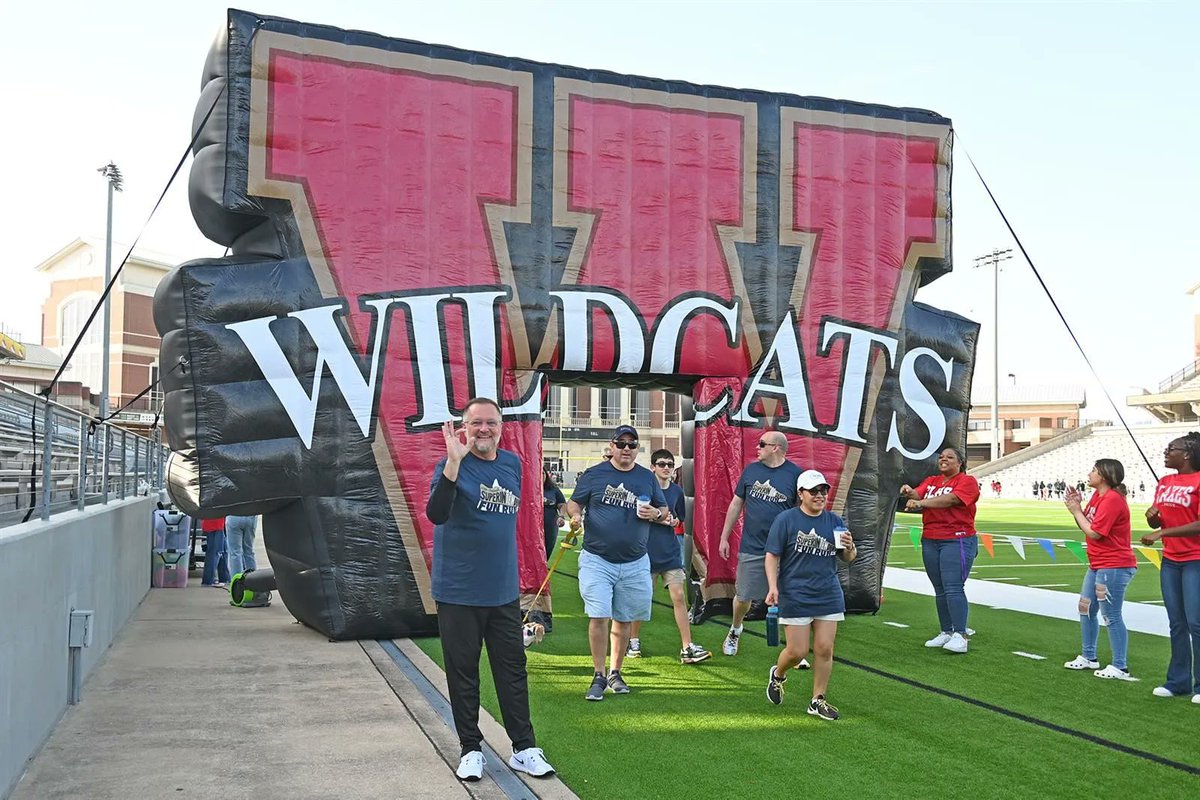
point(708, 730)
point(1037, 519)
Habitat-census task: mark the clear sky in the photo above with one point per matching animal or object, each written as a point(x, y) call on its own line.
point(1083, 117)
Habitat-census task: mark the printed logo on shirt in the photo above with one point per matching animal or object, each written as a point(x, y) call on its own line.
point(939, 491)
point(1174, 496)
point(763, 490)
point(619, 496)
point(811, 543)
point(495, 499)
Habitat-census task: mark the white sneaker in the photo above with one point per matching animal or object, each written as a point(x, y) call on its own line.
point(803, 664)
point(730, 646)
point(470, 766)
point(970, 632)
point(1114, 673)
point(531, 761)
point(956, 644)
point(1162, 691)
point(940, 640)
point(1196, 699)
point(634, 650)
point(1079, 662)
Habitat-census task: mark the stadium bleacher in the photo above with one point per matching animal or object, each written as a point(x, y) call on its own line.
point(1072, 458)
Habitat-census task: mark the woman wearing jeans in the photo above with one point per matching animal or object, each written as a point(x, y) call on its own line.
point(948, 543)
point(1111, 566)
point(1175, 516)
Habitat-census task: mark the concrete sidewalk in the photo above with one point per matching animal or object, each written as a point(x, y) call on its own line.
point(197, 699)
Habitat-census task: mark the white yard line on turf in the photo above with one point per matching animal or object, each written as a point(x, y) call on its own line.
point(1023, 654)
point(1140, 617)
point(896, 624)
point(1048, 585)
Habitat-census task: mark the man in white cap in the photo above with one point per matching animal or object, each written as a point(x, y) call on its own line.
point(802, 580)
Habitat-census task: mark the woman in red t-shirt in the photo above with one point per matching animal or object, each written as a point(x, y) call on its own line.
point(948, 542)
point(1175, 516)
point(1111, 566)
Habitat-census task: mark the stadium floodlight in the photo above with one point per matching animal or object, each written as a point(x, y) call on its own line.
point(993, 260)
point(115, 183)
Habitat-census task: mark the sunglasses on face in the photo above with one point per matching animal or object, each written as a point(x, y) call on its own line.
point(821, 490)
point(761, 443)
point(668, 464)
point(625, 445)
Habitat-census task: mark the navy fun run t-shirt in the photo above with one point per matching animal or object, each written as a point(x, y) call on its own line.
point(808, 582)
point(475, 551)
point(552, 498)
point(612, 529)
point(666, 546)
point(765, 491)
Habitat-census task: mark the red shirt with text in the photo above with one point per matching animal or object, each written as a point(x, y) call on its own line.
point(1178, 501)
point(1108, 514)
point(953, 522)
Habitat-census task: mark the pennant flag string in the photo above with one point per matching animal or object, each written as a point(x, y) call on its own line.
point(985, 539)
point(1048, 546)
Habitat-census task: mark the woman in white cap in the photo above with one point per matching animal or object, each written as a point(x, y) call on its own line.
point(802, 580)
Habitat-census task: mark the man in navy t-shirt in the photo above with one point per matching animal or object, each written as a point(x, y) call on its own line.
point(665, 548)
point(767, 487)
point(622, 500)
point(802, 580)
point(474, 495)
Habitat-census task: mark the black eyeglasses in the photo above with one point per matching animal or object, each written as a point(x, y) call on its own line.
point(761, 443)
point(821, 490)
point(625, 445)
point(670, 464)
point(1178, 449)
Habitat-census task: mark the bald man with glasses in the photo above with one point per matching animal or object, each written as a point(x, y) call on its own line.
point(766, 488)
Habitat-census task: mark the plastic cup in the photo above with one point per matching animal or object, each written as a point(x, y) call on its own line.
point(837, 538)
point(643, 501)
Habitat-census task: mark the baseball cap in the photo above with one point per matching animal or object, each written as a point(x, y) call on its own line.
point(810, 479)
point(624, 430)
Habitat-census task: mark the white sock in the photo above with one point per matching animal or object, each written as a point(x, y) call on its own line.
point(737, 630)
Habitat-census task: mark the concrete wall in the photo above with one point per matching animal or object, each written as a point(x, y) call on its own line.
point(98, 559)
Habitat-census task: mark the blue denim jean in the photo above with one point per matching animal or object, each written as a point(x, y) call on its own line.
point(216, 559)
point(1115, 582)
point(1181, 595)
point(240, 533)
point(948, 563)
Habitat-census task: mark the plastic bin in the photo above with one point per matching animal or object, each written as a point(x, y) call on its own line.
point(169, 568)
point(171, 530)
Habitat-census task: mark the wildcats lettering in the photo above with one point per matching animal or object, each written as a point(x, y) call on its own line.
point(781, 375)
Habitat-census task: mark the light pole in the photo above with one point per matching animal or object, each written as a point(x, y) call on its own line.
point(113, 175)
point(993, 260)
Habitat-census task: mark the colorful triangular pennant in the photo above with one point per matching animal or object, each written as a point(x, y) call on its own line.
point(1017, 545)
point(1048, 546)
point(1077, 549)
point(985, 539)
point(1152, 555)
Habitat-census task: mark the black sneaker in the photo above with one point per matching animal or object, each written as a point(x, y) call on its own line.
point(819, 707)
point(616, 683)
point(596, 690)
point(775, 687)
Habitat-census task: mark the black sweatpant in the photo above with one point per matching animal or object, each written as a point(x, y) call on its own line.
point(464, 630)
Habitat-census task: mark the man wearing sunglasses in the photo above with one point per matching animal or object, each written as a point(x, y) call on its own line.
point(665, 549)
point(622, 500)
point(767, 488)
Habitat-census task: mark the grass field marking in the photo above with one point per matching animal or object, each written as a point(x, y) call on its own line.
point(1077, 565)
point(1000, 579)
point(1023, 654)
point(1048, 585)
point(1017, 715)
point(894, 625)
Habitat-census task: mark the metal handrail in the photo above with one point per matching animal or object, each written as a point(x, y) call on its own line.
point(71, 458)
point(1190, 371)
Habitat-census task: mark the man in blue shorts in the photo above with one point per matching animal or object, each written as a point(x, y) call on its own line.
point(665, 548)
point(802, 575)
point(473, 500)
point(766, 488)
point(614, 569)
